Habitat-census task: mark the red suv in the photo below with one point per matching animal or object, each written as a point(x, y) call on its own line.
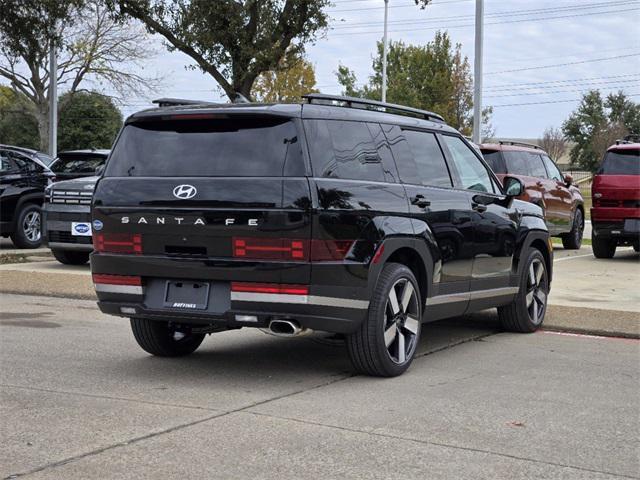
point(615, 215)
point(545, 185)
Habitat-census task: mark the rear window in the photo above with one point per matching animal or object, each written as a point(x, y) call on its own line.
point(230, 147)
point(621, 162)
point(78, 163)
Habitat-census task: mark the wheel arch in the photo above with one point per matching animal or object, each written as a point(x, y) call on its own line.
point(35, 198)
point(406, 252)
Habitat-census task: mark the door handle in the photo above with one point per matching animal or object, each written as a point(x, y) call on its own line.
point(479, 207)
point(420, 201)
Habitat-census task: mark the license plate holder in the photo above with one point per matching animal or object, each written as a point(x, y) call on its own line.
point(186, 295)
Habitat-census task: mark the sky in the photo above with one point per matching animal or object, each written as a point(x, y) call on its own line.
point(539, 56)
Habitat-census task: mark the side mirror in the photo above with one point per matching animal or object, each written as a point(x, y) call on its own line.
point(513, 187)
point(99, 170)
point(568, 180)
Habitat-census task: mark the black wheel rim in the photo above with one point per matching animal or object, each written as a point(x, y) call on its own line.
point(401, 321)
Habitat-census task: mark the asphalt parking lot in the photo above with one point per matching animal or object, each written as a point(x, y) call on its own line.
point(79, 398)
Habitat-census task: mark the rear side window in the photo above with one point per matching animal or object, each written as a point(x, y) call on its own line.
point(494, 160)
point(341, 149)
point(78, 163)
point(431, 165)
point(621, 162)
point(524, 163)
point(230, 147)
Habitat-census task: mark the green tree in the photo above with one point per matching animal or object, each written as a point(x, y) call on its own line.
point(434, 77)
point(234, 41)
point(87, 120)
point(89, 43)
point(287, 84)
point(597, 123)
point(17, 125)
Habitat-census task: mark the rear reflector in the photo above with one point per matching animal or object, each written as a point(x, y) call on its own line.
point(118, 242)
point(277, 288)
point(107, 279)
point(316, 250)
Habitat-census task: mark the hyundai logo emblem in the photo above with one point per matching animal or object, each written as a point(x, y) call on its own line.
point(184, 192)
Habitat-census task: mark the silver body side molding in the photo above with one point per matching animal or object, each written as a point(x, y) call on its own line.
point(466, 296)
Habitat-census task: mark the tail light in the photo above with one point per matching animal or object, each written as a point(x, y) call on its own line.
point(118, 243)
point(277, 288)
point(106, 279)
point(270, 249)
point(316, 250)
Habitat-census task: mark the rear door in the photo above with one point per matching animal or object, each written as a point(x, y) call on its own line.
point(446, 211)
point(221, 192)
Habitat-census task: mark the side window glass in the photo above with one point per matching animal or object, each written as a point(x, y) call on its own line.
point(5, 163)
point(552, 168)
point(473, 174)
point(384, 151)
point(536, 166)
point(407, 167)
point(21, 164)
point(353, 156)
point(517, 163)
point(432, 167)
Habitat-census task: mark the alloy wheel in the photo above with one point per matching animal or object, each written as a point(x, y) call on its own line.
point(31, 226)
point(536, 291)
point(402, 322)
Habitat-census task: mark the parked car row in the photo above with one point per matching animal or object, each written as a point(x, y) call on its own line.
point(25, 175)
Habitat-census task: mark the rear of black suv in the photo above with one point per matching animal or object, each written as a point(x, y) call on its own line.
point(309, 217)
point(205, 219)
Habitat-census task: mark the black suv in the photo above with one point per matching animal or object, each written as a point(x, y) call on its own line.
point(23, 178)
point(341, 215)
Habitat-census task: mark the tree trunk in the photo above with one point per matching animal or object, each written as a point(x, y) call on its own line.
point(42, 116)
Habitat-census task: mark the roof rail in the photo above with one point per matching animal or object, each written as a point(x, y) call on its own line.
point(380, 106)
point(522, 144)
point(173, 102)
point(631, 138)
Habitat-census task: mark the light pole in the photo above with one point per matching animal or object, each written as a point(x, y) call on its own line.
point(477, 73)
point(53, 100)
point(384, 53)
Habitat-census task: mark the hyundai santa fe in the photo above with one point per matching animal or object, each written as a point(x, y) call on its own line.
point(338, 214)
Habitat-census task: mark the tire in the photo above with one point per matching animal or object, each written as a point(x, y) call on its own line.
point(573, 239)
point(71, 257)
point(603, 247)
point(28, 232)
point(526, 313)
point(636, 247)
point(386, 342)
point(159, 339)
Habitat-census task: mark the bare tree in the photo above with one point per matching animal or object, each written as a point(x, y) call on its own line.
point(553, 142)
point(606, 136)
point(91, 47)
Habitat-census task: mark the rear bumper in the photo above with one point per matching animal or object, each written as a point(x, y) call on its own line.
point(330, 308)
point(621, 229)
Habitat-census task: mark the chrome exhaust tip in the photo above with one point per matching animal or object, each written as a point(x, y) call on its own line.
point(286, 328)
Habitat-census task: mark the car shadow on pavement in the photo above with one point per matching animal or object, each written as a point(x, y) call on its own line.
point(249, 353)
